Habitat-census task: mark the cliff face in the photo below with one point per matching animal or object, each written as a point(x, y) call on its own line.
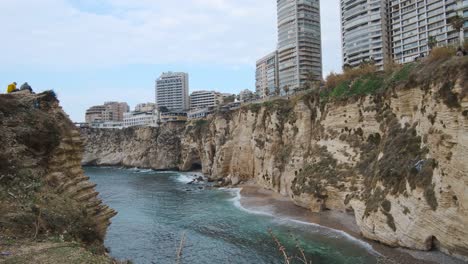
point(157, 148)
point(397, 159)
point(43, 191)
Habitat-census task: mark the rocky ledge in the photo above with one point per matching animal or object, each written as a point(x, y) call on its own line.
point(44, 194)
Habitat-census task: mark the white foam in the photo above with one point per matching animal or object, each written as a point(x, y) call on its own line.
point(261, 211)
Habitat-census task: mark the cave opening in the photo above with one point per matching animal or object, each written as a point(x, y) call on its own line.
point(196, 166)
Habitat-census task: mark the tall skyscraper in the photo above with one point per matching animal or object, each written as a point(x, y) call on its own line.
point(364, 30)
point(299, 42)
point(172, 91)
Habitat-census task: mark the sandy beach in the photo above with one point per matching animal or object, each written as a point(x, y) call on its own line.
point(262, 201)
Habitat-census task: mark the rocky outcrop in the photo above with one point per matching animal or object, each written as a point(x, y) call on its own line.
point(43, 190)
point(396, 159)
point(157, 148)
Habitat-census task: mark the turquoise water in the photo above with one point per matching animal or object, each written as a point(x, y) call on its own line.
point(156, 209)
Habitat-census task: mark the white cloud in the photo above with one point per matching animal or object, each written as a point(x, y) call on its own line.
point(102, 33)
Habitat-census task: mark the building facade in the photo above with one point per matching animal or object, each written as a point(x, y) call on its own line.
point(204, 99)
point(413, 23)
point(110, 111)
point(172, 91)
point(266, 75)
point(299, 42)
point(146, 107)
point(364, 32)
point(144, 119)
point(397, 30)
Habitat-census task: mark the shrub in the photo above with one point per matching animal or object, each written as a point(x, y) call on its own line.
point(441, 53)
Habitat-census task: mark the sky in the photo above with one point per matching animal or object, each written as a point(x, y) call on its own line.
point(92, 51)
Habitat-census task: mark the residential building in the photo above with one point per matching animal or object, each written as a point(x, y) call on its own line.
point(172, 91)
point(364, 32)
point(414, 22)
point(246, 95)
point(96, 114)
point(398, 30)
point(266, 76)
point(110, 111)
point(204, 99)
point(299, 42)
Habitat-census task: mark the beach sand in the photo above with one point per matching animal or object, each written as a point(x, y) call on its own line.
point(256, 199)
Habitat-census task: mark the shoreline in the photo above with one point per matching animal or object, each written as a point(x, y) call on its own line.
point(254, 198)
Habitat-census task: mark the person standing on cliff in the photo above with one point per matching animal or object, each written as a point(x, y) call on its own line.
point(11, 87)
point(26, 87)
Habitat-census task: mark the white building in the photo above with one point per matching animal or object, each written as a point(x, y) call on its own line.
point(205, 99)
point(142, 119)
point(299, 42)
point(364, 32)
point(266, 75)
point(414, 22)
point(172, 91)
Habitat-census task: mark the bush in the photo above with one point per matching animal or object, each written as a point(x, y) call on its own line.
point(441, 53)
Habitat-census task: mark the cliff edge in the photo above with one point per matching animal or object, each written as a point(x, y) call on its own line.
point(389, 148)
point(46, 202)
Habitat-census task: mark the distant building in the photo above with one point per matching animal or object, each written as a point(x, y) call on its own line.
point(228, 98)
point(142, 119)
point(109, 125)
point(110, 111)
point(172, 91)
point(205, 99)
point(266, 76)
point(168, 117)
point(246, 95)
point(147, 107)
point(200, 113)
point(299, 42)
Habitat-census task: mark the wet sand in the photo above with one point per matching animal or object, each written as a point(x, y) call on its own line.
point(263, 201)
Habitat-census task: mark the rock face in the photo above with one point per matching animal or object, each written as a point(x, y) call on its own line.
point(157, 148)
point(396, 160)
point(43, 190)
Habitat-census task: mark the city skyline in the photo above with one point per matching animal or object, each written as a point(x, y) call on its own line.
point(113, 50)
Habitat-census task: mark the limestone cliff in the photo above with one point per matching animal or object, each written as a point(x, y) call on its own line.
point(396, 158)
point(43, 191)
point(157, 148)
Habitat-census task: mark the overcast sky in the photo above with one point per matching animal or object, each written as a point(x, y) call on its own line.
point(91, 51)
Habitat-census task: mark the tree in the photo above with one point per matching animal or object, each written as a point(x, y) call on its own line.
point(431, 42)
point(286, 89)
point(277, 91)
point(311, 79)
point(457, 23)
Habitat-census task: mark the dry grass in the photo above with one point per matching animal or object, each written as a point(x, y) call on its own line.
point(442, 53)
point(349, 74)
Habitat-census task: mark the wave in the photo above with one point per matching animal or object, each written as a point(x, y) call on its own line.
point(269, 212)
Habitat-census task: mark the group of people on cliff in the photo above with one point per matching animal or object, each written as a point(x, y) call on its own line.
point(12, 88)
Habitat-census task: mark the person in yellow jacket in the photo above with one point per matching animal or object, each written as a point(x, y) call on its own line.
point(11, 88)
